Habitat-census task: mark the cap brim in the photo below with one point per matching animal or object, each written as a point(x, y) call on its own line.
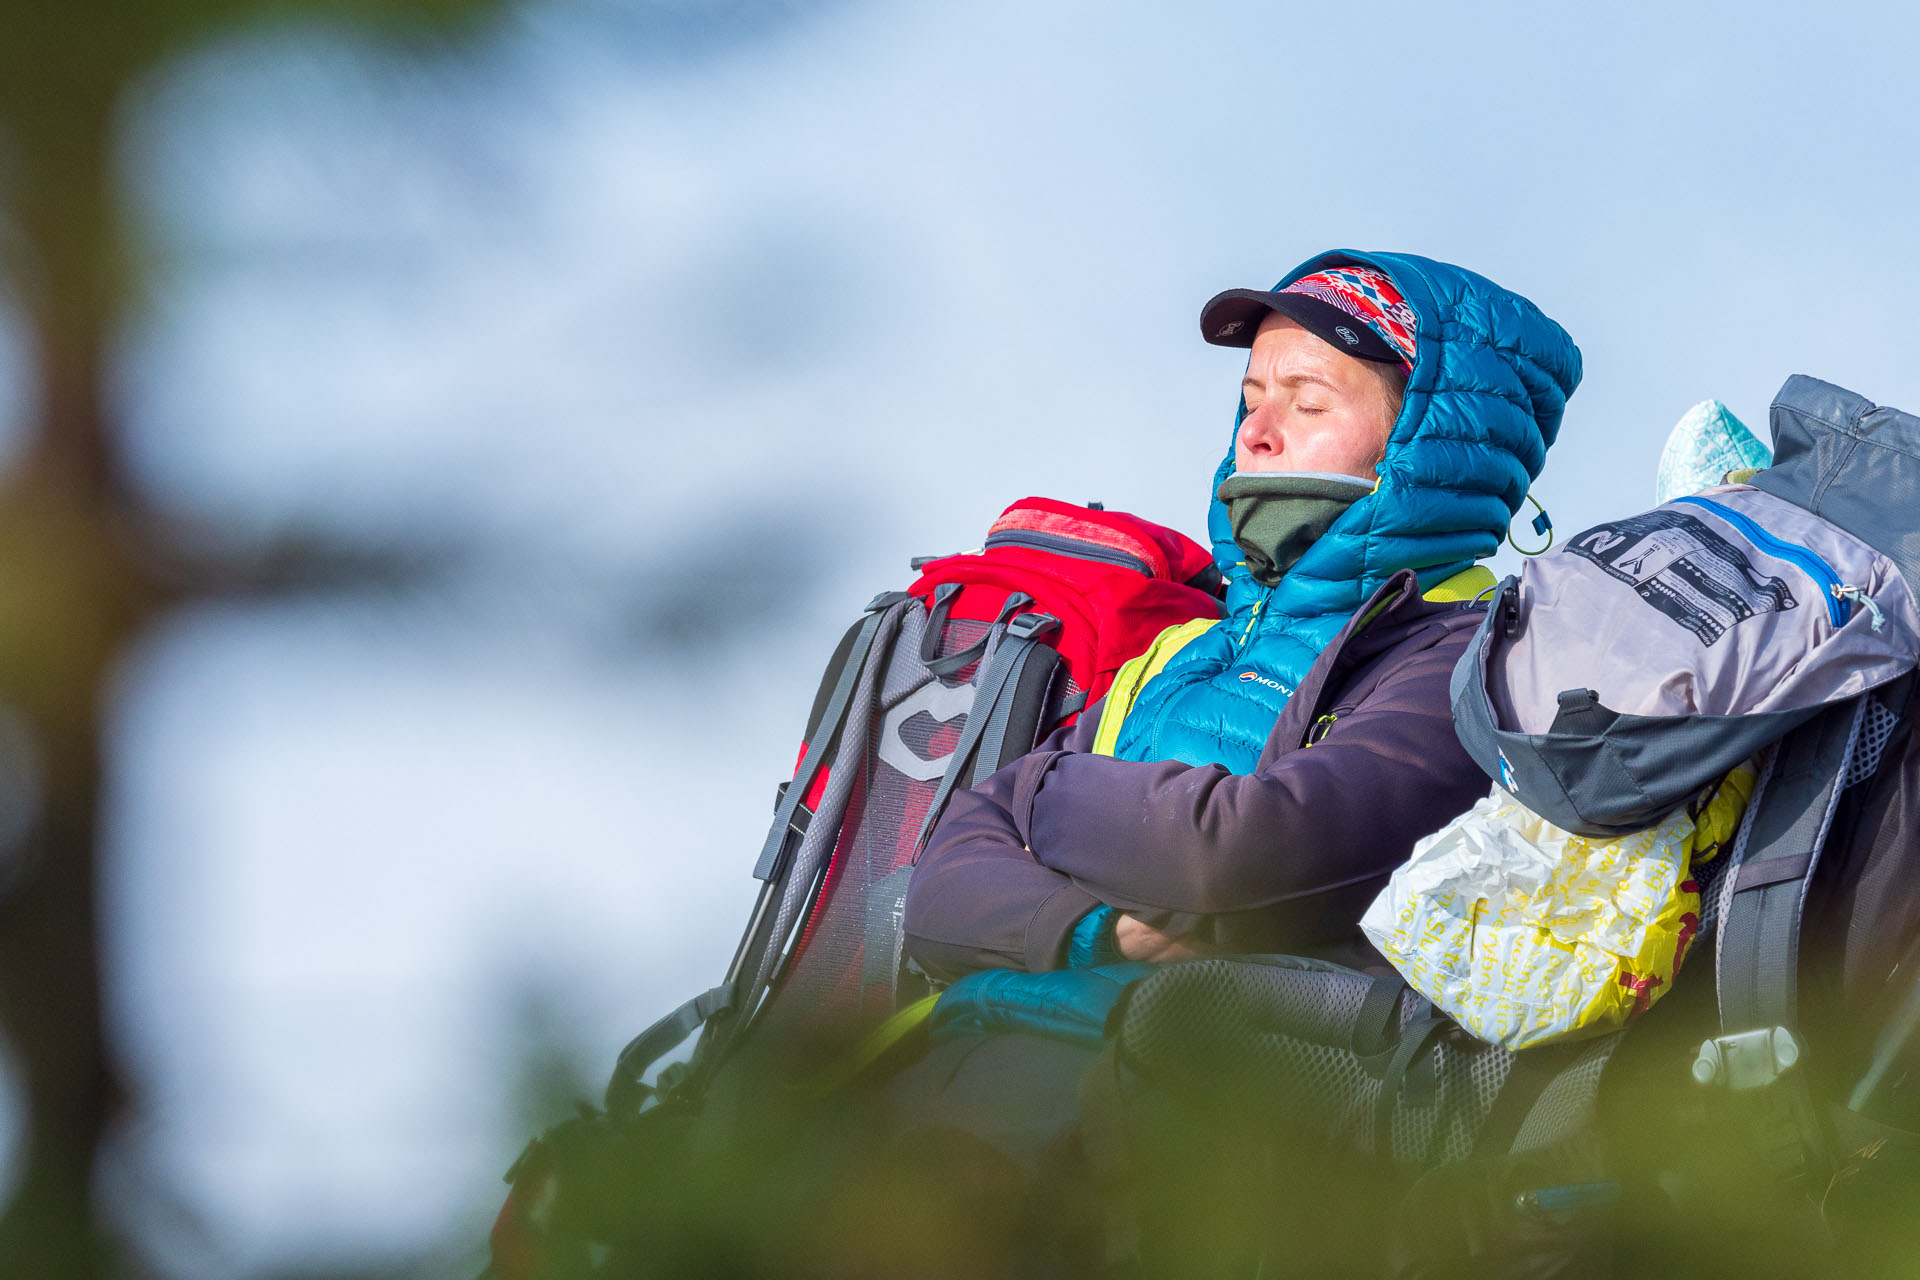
point(1230, 319)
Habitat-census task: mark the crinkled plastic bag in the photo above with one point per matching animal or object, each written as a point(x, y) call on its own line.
point(1525, 933)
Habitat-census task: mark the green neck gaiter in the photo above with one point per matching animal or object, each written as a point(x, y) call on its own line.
point(1277, 515)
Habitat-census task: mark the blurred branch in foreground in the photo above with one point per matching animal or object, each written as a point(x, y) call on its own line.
point(74, 586)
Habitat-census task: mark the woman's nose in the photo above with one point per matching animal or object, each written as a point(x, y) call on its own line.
point(1258, 433)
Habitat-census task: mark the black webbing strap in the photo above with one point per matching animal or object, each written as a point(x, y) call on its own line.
point(937, 622)
point(996, 687)
point(771, 861)
point(1416, 1037)
point(627, 1089)
point(1373, 1025)
point(937, 625)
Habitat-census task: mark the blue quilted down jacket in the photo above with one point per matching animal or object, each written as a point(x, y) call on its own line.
point(1490, 379)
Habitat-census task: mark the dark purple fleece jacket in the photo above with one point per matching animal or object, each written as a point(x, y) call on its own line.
point(1283, 859)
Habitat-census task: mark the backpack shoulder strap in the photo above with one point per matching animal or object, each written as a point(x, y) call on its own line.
point(626, 1091)
point(1759, 942)
point(1022, 711)
point(830, 708)
point(1758, 948)
point(993, 706)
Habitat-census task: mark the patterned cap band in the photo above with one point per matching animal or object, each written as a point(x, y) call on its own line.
point(1369, 297)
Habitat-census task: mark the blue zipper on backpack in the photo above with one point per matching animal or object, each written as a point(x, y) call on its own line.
point(1816, 568)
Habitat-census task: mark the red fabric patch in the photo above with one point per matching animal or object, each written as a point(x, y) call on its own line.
point(1066, 525)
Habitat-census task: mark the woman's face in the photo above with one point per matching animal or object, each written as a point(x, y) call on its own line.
point(1310, 407)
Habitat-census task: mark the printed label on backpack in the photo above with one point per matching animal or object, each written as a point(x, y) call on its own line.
point(934, 704)
point(1685, 570)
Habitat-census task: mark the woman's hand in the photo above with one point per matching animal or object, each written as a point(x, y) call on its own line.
point(1137, 940)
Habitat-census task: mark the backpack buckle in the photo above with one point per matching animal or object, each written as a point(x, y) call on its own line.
point(1031, 626)
point(1747, 1059)
point(1507, 608)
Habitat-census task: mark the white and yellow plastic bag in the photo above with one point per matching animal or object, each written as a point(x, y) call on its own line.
point(1525, 933)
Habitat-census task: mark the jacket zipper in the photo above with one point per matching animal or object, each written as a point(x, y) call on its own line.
point(1810, 563)
point(1065, 546)
point(1246, 632)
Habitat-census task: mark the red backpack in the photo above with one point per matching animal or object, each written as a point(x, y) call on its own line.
point(1113, 580)
point(933, 688)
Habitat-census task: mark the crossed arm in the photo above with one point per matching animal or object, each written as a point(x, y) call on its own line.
point(1196, 857)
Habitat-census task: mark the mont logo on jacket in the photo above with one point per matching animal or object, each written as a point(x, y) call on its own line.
point(1490, 380)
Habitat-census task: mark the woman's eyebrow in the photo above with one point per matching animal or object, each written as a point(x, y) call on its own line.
point(1296, 379)
point(1251, 383)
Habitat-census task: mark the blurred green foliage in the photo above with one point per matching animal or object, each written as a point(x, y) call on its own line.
point(79, 550)
point(770, 1182)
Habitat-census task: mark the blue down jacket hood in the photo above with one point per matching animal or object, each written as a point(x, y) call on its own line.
point(1490, 380)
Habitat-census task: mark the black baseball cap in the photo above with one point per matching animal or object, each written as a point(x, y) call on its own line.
point(1230, 319)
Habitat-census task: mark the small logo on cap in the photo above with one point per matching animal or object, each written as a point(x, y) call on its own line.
point(1228, 330)
point(1347, 335)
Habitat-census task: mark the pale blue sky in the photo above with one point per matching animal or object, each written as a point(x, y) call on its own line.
point(757, 300)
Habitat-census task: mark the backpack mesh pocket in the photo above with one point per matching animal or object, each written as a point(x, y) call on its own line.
point(1283, 1043)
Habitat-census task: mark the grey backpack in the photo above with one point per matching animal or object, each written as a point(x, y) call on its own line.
point(1775, 621)
point(1615, 678)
